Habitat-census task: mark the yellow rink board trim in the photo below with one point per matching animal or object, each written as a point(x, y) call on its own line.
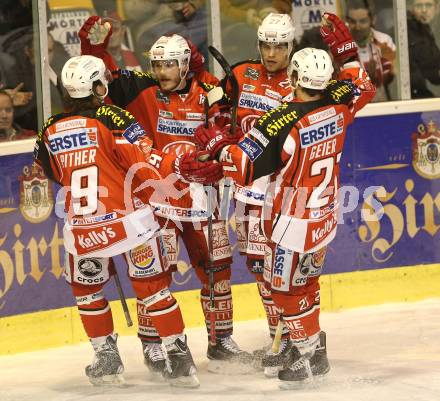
point(47, 329)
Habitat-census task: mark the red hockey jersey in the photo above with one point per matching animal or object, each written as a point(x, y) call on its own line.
point(170, 119)
point(301, 144)
point(101, 157)
point(259, 92)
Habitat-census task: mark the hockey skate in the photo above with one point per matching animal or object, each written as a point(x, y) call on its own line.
point(319, 361)
point(226, 357)
point(180, 370)
point(298, 372)
point(107, 367)
point(303, 368)
point(273, 362)
point(154, 357)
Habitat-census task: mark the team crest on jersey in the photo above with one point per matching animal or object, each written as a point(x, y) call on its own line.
point(179, 147)
point(36, 195)
point(248, 122)
point(142, 256)
point(89, 267)
point(426, 150)
point(161, 97)
point(252, 73)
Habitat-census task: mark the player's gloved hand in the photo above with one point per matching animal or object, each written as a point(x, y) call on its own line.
point(337, 36)
point(189, 168)
point(94, 36)
point(197, 61)
point(213, 139)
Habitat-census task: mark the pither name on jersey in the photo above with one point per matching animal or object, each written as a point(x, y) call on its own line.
point(176, 127)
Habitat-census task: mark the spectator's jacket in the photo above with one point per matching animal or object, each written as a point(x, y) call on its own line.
point(377, 58)
point(301, 144)
point(16, 133)
point(424, 58)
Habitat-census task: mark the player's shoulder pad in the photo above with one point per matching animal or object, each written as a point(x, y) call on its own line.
point(279, 119)
point(341, 92)
point(120, 120)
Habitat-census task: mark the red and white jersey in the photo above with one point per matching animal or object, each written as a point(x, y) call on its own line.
point(259, 92)
point(300, 144)
point(170, 119)
point(100, 157)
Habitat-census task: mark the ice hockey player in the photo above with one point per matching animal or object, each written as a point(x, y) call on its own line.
point(263, 85)
point(169, 105)
point(94, 152)
point(300, 144)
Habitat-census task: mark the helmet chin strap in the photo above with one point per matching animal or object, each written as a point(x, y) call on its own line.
point(182, 81)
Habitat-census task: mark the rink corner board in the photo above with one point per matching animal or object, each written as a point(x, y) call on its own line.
point(340, 291)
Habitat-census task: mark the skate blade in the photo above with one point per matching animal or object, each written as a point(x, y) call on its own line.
point(108, 380)
point(230, 367)
point(296, 385)
point(190, 381)
point(271, 371)
point(153, 375)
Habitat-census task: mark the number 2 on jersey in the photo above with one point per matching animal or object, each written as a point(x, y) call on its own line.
point(316, 199)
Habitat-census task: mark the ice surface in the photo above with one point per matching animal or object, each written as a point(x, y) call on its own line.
point(382, 353)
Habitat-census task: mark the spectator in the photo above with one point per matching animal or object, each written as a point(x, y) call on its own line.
point(10, 131)
point(23, 71)
point(424, 54)
point(312, 38)
point(377, 50)
point(150, 19)
point(122, 55)
point(240, 19)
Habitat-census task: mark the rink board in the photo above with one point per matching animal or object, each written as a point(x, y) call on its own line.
point(392, 258)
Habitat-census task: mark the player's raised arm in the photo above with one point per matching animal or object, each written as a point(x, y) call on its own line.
point(336, 34)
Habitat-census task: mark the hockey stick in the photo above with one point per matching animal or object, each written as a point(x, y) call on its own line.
point(212, 336)
point(224, 204)
point(122, 298)
point(277, 338)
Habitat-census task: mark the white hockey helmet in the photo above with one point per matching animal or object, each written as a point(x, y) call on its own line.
point(277, 28)
point(80, 73)
point(173, 47)
point(314, 68)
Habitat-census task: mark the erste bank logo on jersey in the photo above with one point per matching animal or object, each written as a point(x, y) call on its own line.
point(74, 139)
point(326, 129)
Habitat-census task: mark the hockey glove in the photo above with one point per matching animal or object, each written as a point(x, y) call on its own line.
point(214, 138)
point(197, 61)
point(189, 168)
point(336, 34)
point(94, 36)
